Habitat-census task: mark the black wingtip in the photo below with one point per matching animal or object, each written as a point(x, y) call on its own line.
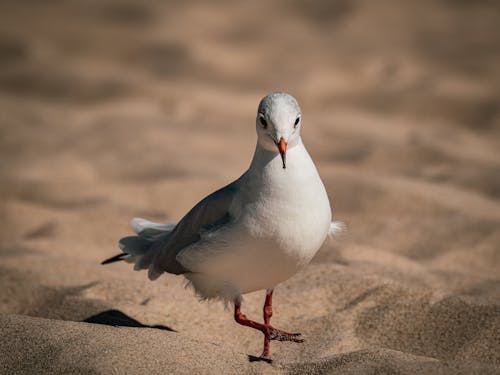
point(113, 259)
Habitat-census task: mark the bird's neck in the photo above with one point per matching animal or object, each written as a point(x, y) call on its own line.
point(267, 165)
point(264, 158)
point(296, 188)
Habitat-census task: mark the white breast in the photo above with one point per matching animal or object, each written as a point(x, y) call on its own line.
point(286, 216)
point(289, 205)
point(282, 217)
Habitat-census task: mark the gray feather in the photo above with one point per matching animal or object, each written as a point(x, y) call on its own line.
point(211, 212)
point(134, 245)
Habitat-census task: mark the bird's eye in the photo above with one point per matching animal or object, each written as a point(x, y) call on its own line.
point(263, 122)
point(296, 122)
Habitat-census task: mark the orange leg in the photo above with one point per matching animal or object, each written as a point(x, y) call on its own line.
point(268, 313)
point(270, 333)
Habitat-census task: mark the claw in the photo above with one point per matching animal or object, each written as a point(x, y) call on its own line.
point(265, 358)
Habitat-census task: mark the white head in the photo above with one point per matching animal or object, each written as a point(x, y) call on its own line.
point(278, 123)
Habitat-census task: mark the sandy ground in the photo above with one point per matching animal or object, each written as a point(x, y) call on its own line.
point(116, 109)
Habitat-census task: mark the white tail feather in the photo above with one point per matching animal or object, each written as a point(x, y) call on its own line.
point(150, 230)
point(336, 228)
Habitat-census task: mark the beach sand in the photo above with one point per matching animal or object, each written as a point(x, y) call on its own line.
point(111, 110)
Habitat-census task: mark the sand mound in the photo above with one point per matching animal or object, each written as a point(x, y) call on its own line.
point(53, 346)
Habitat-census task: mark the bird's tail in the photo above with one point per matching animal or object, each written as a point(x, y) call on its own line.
point(137, 249)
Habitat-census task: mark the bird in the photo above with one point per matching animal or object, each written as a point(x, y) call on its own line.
point(251, 234)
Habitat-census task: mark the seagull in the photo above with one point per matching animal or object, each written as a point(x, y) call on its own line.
point(252, 234)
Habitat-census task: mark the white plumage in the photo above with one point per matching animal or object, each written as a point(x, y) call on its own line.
point(253, 233)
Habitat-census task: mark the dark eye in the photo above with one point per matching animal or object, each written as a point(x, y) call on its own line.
point(263, 122)
point(297, 121)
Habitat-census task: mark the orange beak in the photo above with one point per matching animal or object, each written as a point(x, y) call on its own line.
point(282, 149)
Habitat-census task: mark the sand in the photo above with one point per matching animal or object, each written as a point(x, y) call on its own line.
point(110, 110)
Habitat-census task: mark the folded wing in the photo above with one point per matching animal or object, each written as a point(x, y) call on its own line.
point(210, 212)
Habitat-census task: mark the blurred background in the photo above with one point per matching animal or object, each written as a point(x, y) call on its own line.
point(115, 109)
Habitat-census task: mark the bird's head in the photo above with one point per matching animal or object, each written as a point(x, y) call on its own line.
point(278, 123)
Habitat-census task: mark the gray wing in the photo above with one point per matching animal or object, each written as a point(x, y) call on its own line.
point(212, 211)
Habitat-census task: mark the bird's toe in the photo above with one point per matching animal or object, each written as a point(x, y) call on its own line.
point(277, 334)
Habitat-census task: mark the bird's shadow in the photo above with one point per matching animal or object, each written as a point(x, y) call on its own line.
point(118, 318)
